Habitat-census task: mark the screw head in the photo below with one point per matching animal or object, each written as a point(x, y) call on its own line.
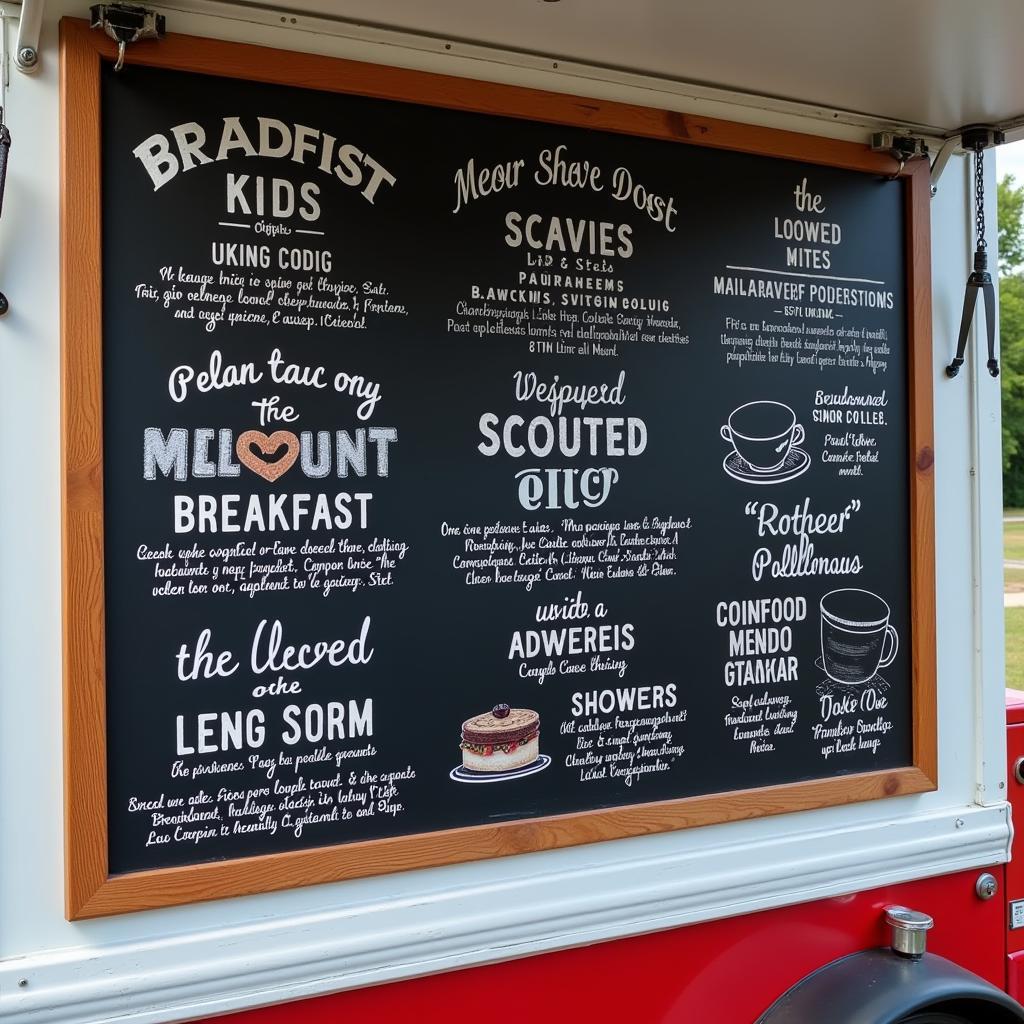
point(27, 57)
point(986, 886)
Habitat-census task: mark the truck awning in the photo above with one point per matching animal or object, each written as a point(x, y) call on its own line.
point(930, 65)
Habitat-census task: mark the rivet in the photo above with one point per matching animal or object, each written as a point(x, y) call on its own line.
point(23, 983)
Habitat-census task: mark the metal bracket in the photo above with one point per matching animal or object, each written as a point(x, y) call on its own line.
point(900, 147)
point(946, 150)
point(968, 140)
point(126, 23)
point(30, 23)
point(982, 136)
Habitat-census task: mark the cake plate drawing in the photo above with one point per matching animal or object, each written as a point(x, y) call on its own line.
point(499, 745)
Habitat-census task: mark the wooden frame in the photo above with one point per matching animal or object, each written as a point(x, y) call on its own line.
point(90, 890)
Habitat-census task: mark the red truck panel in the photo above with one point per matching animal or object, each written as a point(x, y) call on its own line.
point(1014, 888)
point(726, 972)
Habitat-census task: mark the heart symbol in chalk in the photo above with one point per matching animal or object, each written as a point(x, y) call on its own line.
point(269, 457)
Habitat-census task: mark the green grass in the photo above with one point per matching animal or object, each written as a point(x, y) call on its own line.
point(1013, 550)
point(1015, 648)
point(1013, 541)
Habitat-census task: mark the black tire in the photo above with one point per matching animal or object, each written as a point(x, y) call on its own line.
point(928, 1017)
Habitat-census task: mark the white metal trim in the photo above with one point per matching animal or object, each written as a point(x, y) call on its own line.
point(986, 480)
point(216, 971)
point(301, 24)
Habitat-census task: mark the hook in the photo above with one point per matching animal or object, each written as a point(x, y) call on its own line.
point(126, 23)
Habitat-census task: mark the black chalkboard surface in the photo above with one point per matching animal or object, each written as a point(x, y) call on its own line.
point(460, 469)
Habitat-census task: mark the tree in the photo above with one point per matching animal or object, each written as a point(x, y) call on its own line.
point(1010, 203)
point(1011, 336)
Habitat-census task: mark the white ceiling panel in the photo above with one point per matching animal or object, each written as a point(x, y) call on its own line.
point(941, 63)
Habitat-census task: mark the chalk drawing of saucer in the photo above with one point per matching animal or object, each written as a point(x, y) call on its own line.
point(828, 687)
point(461, 774)
point(796, 462)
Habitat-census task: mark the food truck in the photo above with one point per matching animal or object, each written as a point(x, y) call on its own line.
point(502, 513)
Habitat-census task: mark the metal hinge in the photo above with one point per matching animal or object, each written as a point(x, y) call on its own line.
point(910, 147)
point(127, 23)
point(900, 147)
point(26, 49)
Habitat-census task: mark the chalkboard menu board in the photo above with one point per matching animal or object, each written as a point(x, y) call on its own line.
point(460, 469)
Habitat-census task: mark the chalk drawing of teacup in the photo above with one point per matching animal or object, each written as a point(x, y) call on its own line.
point(856, 637)
point(763, 434)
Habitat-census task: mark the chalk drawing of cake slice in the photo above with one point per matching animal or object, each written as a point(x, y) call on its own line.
point(503, 743)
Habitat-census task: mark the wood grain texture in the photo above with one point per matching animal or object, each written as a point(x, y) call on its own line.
point(148, 890)
point(922, 467)
point(85, 759)
point(90, 890)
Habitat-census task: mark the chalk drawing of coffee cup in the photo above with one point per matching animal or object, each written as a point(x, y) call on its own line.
point(763, 434)
point(856, 637)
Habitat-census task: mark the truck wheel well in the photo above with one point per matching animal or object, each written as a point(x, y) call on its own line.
point(961, 1011)
point(878, 987)
point(936, 1017)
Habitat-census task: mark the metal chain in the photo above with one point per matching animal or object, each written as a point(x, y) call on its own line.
point(5, 149)
point(979, 196)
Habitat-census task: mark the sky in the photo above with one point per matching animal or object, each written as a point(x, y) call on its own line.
point(1010, 160)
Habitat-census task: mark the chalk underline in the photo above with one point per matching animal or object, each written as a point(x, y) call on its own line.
point(235, 224)
point(791, 273)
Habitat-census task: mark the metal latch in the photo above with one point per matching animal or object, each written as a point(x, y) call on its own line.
point(127, 23)
point(900, 147)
